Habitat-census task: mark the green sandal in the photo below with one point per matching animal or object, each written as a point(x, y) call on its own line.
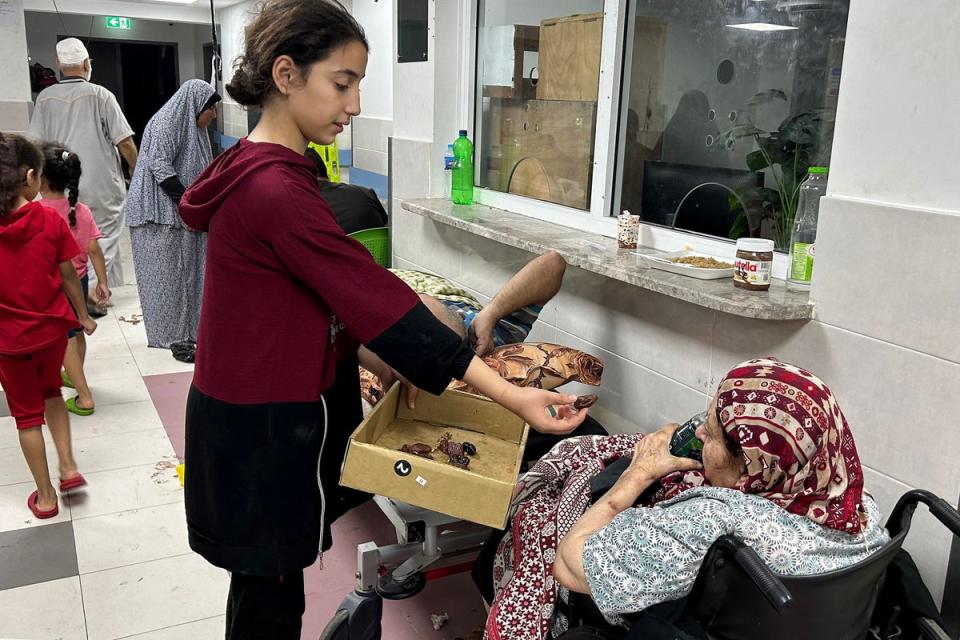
point(65, 378)
point(80, 411)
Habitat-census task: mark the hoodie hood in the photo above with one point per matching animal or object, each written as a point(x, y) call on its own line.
point(228, 171)
point(22, 224)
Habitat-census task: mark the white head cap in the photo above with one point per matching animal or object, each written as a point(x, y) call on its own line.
point(71, 52)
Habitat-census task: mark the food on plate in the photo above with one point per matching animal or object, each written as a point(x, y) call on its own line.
point(702, 262)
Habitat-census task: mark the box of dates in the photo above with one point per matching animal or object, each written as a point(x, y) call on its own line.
point(457, 453)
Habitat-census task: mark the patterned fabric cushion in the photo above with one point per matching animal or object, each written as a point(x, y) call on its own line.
point(436, 286)
point(540, 364)
point(528, 364)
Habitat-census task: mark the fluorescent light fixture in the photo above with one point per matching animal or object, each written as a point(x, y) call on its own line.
point(173, 1)
point(761, 26)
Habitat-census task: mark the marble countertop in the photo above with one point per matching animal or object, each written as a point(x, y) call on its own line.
point(600, 255)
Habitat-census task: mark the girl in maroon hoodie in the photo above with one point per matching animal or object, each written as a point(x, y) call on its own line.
point(275, 393)
point(37, 246)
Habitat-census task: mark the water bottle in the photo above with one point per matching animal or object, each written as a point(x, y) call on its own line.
point(462, 188)
point(803, 238)
point(685, 443)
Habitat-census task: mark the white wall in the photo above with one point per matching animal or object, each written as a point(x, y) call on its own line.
point(897, 143)
point(43, 29)
point(15, 76)
point(376, 18)
point(886, 294)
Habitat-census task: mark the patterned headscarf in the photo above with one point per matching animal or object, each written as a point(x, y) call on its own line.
point(797, 447)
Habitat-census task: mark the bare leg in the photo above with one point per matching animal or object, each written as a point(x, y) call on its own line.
point(35, 451)
point(59, 422)
point(73, 364)
point(81, 346)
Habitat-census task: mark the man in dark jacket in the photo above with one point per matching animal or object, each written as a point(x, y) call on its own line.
point(356, 208)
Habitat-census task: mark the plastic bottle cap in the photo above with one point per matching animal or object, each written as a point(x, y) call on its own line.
point(819, 170)
point(755, 245)
point(463, 132)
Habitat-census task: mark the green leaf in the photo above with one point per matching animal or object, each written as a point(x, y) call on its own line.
point(740, 227)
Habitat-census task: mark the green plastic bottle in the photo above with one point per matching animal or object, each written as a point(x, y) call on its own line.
point(462, 184)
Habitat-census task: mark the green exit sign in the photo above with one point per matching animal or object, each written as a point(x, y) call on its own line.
point(119, 22)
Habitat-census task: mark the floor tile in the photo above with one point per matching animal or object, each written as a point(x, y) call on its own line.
point(14, 513)
point(130, 537)
point(114, 391)
point(37, 554)
point(118, 490)
point(9, 436)
point(4, 407)
point(209, 629)
point(21, 608)
point(13, 468)
point(120, 450)
point(98, 369)
point(153, 362)
point(169, 395)
point(112, 419)
point(152, 595)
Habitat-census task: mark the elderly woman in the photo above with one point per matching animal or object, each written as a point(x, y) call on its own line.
point(167, 255)
point(780, 470)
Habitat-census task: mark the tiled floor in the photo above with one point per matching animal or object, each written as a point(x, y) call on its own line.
point(115, 563)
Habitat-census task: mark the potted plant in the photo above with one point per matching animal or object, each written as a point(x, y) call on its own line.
point(800, 142)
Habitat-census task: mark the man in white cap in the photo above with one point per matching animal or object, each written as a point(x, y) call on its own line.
point(86, 118)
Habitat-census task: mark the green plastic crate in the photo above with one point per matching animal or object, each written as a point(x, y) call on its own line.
point(377, 242)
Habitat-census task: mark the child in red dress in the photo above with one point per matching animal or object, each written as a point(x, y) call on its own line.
point(36, 248)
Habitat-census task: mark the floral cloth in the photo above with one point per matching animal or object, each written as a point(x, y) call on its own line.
point(650, 555)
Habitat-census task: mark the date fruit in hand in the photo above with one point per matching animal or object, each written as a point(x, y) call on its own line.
point(582, 402)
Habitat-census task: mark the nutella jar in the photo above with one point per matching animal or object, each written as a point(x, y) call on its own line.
point(753, 267)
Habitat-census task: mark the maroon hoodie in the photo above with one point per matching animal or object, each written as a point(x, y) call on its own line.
point(287, 293)
point(34, 312)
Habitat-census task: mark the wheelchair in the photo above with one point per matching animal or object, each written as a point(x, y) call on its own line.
point(737, 597)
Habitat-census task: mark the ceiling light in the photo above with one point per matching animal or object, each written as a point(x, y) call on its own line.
point(761, 26)
point(174, 1)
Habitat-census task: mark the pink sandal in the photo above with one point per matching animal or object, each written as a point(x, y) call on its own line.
point(37, 512)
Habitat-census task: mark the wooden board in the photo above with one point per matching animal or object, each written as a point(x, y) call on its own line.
point(558, 135)
point(570, 57)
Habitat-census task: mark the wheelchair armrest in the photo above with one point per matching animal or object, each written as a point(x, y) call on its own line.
point(766, 581)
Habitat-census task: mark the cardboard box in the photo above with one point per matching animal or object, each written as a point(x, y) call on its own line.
point(481, 494)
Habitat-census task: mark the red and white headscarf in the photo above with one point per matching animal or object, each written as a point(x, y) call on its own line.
point(796, 444)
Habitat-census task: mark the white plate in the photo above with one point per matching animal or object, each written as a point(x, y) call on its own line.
point(662, 261)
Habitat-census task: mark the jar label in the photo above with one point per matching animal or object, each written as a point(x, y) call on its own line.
point(801, 264)
point(754, 272)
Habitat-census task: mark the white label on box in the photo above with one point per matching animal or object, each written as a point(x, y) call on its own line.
point(421, 481)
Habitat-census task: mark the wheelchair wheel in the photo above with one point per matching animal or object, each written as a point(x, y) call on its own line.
point(338, 628)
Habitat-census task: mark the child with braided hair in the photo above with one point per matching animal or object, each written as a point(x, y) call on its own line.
point(60, 188)
point(37, 246)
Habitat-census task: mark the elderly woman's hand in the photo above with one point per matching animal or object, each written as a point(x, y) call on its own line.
point(652, 458)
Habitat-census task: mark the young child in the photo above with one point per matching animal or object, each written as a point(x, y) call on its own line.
point(60, 188)
point(36, 246)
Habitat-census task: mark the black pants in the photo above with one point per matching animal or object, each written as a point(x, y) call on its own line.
point(265, 608)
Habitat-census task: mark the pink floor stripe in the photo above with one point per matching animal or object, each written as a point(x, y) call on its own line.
point(325, 589)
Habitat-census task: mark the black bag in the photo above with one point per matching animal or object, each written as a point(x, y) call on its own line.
point(905, 609)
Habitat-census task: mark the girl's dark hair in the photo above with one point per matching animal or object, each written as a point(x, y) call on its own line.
point(306, 30)
point(61, 169)
point(17, 156)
